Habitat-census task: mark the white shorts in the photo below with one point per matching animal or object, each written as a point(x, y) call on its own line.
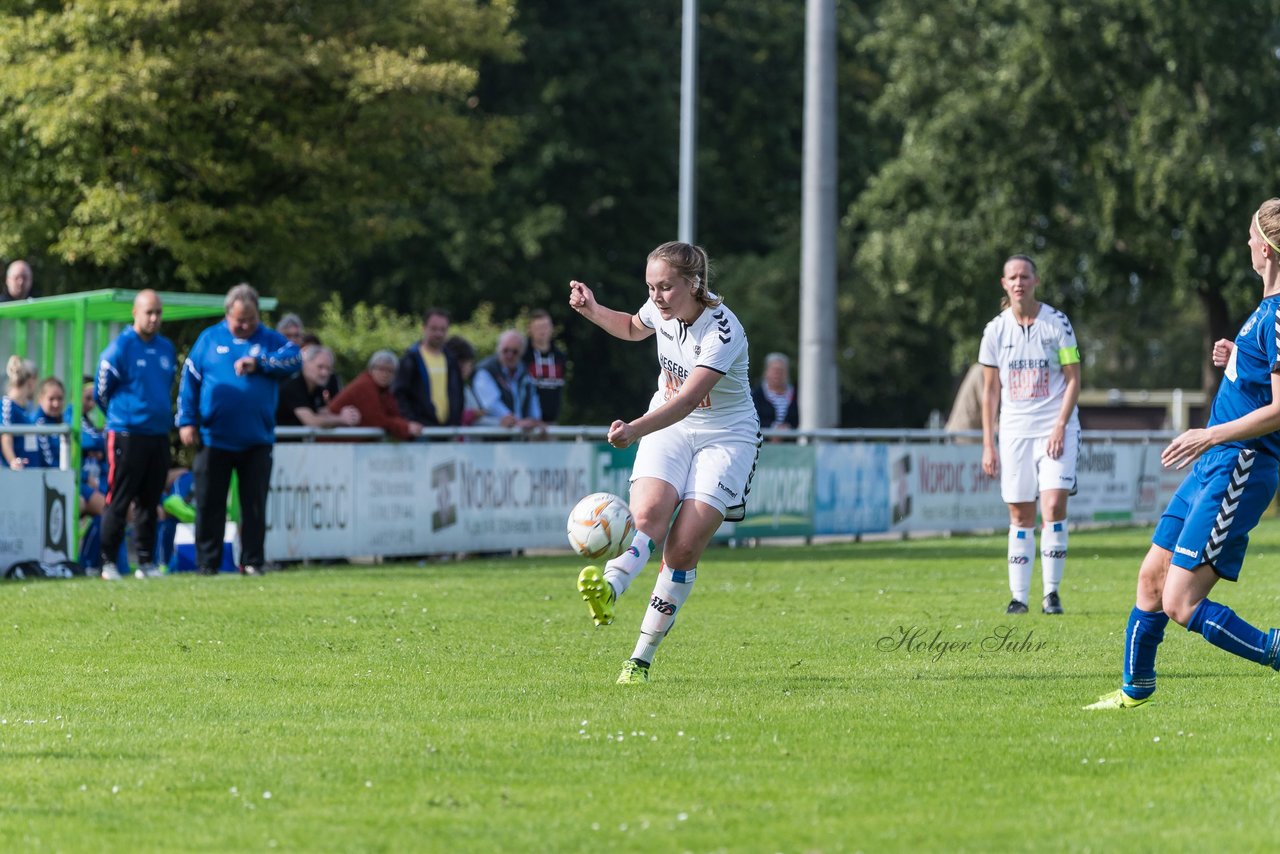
point(1026, 469)
point(714, 466)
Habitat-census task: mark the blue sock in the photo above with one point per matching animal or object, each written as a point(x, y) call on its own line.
point(1142, 637)
point(1222, 628)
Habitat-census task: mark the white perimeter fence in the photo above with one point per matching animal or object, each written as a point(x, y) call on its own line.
point(335, 496)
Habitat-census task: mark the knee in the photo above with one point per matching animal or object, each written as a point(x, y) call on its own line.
point(1178, 608)
point(652, 527)
point(1054, 511)
point(679, 555)
point(1019, 519)
point(1150, 591)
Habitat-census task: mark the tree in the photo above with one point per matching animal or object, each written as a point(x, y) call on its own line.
point(184, 144)
point(592, 185)
point(1121, 143)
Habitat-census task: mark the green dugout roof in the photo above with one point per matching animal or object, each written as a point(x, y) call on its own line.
point(117, 306)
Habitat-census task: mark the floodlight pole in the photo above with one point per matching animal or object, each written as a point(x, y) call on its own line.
point(819, 390)
point(686, 228)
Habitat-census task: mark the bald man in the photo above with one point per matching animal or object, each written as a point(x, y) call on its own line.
point(17, 282)
point(134, 388)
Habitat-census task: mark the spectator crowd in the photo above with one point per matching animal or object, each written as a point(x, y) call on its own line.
point(239, 382)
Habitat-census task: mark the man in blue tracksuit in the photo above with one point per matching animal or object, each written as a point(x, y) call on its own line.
point(134, 387)
point(227, 403)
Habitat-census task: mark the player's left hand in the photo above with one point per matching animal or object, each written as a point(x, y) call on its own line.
point(246, 365)
point(1057, 439)
point(1222, 352)
point(621, 434)
point(1186, 449)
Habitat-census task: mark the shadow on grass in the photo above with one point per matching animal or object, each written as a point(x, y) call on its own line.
point(1048, 675)
point(917, 550)
point(75, 755)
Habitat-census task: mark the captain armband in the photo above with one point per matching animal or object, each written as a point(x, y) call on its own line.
point(1068, 356)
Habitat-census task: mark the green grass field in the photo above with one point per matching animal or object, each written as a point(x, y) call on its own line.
point(471, 707)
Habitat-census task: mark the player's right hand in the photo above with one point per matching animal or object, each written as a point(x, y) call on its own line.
point(621, 434)
point(1222, 352)
point(581, 299)
point(990, 462)
point(188, 434)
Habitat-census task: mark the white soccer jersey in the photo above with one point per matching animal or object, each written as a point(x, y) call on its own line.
point(716, 340)
point(1030, 359)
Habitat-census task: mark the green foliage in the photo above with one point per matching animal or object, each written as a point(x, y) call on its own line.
point(396, 708)
point(218, 139)
point(1122, 144)
point(356, 333)
point(407, 153)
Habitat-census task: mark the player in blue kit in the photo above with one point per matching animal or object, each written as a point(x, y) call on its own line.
point(134, 389)
point(1204, 531)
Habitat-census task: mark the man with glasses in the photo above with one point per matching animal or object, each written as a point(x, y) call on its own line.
point(504, 389)
point(428, 384)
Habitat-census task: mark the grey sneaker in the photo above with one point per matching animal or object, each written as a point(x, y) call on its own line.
point(110, 573)
point(250, 570)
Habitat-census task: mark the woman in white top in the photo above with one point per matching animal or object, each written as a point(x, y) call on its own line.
point(698, 440)
point(1031, 376)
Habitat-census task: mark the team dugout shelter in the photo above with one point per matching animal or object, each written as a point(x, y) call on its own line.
point(65, 334)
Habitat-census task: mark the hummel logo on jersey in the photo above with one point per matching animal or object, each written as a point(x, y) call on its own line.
point(1188, 552)
point(667, 335)
point(722, 327)
point(726, 489)
point(662, 606)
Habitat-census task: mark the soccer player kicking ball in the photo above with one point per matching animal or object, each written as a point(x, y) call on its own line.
point(1204, 531)
point(698, 440)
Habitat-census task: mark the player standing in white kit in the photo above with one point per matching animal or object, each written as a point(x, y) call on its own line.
point(698, 440)
point(1031, 376)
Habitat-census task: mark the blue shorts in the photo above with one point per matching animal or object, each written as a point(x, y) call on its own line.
point(1209, 518)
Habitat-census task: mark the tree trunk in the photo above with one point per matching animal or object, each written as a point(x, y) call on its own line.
point(1217, 324)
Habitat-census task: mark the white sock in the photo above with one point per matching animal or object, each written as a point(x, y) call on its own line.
point(1053, 554)
point(669, 594)
point(1022, 557)
point(624, 568)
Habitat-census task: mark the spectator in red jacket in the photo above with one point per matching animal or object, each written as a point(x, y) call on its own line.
point(370, 393)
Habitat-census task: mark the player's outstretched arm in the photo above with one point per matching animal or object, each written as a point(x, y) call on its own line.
point(619, 324)
point(1190, 445)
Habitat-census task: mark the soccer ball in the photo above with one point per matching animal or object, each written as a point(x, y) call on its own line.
point(600, 526)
